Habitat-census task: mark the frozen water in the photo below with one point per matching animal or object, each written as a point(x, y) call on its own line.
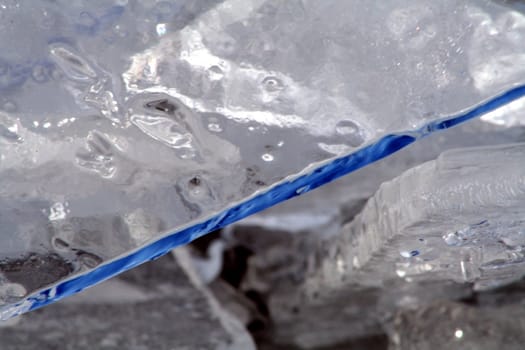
point(123, 122)
point(315, 299)
point(456, 218)
point(458, 326)
point(323, 211)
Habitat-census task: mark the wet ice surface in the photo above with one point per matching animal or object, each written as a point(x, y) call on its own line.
point(339, 277)
point(122, 121)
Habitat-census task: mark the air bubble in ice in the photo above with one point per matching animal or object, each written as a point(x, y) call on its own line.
point(59, 243)
point(214, 127)
point(409, 253)
point(267, 157)
point(72, 64)
point(452, 239)
point(272, 84)
point(347, 127)
point(351, 131)
point(89, 260)
point(165, 130)
point(196, 187)
point(196, 193)
point(162, 105)
point(98, 156)
point(215, 73)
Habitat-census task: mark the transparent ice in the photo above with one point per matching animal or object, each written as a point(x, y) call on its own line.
point(447, 324)
point(130, 127)
point(322, 294)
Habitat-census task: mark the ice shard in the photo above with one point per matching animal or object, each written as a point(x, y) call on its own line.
point(437, 232)
point(130, 127)
point(459, 217)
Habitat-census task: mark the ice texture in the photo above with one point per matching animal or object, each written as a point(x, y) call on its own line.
point(144, 124)
point(459, 326)
point(301, 266)
point(457, 218)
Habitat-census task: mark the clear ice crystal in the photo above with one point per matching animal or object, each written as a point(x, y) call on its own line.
point(459, 217)
point(313, 266)
point(149, 118)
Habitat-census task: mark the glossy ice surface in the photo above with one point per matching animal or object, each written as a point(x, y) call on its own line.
point(124, 122)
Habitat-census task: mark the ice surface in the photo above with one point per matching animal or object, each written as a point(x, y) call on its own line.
point(123, 121)
point(458, 326)
point(298, 267)
point(322, 212)
point(429, 234)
